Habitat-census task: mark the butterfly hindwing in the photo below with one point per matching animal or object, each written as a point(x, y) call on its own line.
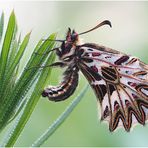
point(120, 83)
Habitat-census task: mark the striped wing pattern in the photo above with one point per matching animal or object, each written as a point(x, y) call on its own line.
point(120, 83)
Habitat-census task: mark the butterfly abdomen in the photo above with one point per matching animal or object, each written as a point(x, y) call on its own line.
point(65, 89)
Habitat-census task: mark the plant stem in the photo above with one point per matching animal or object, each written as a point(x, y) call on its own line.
point(59, 120)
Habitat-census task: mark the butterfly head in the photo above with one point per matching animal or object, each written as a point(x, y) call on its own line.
point(68, 46)
point(71, 36)
point(71, 40)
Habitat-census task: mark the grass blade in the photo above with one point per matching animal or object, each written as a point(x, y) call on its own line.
point(14, 65)
point(59, 120)
point(1, 25)
point(14, 50)
point(18, 55)
point(19, 125)
point(17, 93)
point(6, 48)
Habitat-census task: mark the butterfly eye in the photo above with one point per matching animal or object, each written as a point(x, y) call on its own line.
point(74, 37)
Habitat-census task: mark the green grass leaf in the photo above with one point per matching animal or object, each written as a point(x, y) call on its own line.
point(14, 88)
point(6, 48)
point(29, 107)
point(1, 25)
point(14, 64)
point(23, 84)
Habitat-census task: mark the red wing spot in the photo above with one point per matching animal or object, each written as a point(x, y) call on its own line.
point(121, 60)
point(135, 96)
point(106, 112)
point(132, 84)
point(131, 61)
point(116, 106)
point(94, 54)
point(127, 103)
point(94, 68)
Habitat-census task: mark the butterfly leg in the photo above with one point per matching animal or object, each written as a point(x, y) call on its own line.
point(56, 64)
point(47, 52)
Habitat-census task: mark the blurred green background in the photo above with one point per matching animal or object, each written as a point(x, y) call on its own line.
point(129, 34)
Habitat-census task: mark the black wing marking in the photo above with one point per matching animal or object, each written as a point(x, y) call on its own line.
point(100, 48)
point(123, 104)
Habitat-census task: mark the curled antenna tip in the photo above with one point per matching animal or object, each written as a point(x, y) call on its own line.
point(107, 22)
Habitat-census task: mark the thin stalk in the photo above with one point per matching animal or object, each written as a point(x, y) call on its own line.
point(59, 120)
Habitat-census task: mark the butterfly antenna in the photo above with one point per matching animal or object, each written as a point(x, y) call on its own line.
point(106, 22)
point(53, 40)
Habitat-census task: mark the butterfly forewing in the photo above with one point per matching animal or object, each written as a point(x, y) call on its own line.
point(120, 83)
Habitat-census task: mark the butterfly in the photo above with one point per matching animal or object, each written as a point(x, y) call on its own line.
point(119, 81)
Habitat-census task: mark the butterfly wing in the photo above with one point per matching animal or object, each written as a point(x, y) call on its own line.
point(120, 83)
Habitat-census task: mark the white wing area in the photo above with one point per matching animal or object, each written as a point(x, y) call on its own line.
point(120, 84)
